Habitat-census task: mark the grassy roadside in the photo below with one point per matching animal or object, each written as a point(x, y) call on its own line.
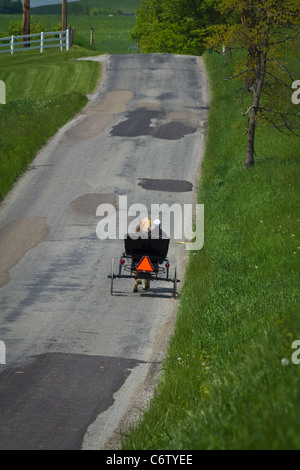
point(44, 91)
point(228, 380)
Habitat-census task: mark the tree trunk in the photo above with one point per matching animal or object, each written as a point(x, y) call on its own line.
point(26, 22)
point(259, 81)
point(251, 137)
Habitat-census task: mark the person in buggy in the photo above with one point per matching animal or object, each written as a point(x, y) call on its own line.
point(153, 231)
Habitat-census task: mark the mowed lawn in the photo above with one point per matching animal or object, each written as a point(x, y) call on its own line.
point(36, 75)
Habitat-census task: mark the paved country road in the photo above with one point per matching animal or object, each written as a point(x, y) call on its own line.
point(80, 363)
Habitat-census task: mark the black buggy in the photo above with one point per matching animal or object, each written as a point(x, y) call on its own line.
point(145, 258)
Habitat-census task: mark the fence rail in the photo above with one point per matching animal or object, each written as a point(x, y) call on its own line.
point(16, 43)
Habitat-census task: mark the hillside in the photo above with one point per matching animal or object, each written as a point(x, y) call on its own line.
point(89, 7)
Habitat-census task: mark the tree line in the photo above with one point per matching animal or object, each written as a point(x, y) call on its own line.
point(11, 6)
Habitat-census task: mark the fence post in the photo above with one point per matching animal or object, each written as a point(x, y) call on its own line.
point(71, 32)
point(67, 39)
point(12, 44)
point(42, 42)
point(60, 41)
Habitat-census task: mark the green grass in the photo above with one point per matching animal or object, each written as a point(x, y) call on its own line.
point(34, 75)
point(223, 384)
point(111, 33)
point(44, 91)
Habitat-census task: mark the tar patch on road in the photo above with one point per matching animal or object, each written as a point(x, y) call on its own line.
point(50, 403)
point(176, 186)
point(138, 123)
point(87, 203)
point(16, 239)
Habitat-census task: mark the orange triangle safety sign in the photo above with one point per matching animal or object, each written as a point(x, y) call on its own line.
point(145, 265)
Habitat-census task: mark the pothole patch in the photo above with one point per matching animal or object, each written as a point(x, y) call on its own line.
point(172, 131)
point(87, 204)
point(169, 185)
point(100, 114)
point(16, 239)
point(140, 123)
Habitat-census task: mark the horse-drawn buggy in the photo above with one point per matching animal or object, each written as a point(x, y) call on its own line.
point(145, 259)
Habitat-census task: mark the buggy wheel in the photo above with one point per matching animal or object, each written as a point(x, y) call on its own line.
point(112, 277)
point(175, 284)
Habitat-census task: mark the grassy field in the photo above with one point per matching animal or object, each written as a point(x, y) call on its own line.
point(27, 74)
point(228, 381)
point(44, 91)
point(111, 20)
point(111, 34)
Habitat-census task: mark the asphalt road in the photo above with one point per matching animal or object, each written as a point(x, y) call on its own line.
point(80, 363)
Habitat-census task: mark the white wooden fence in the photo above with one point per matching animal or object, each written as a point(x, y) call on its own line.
point(39, 41)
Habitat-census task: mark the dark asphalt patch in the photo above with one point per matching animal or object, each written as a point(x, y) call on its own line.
point(172, 186)
point(166, 96)
point(50, 403)
point(87, 203)
point(138, 123)
point(172, 131)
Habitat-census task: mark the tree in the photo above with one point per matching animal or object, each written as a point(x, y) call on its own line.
point(174, 26)
point(263, 31)
point(15, 28)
